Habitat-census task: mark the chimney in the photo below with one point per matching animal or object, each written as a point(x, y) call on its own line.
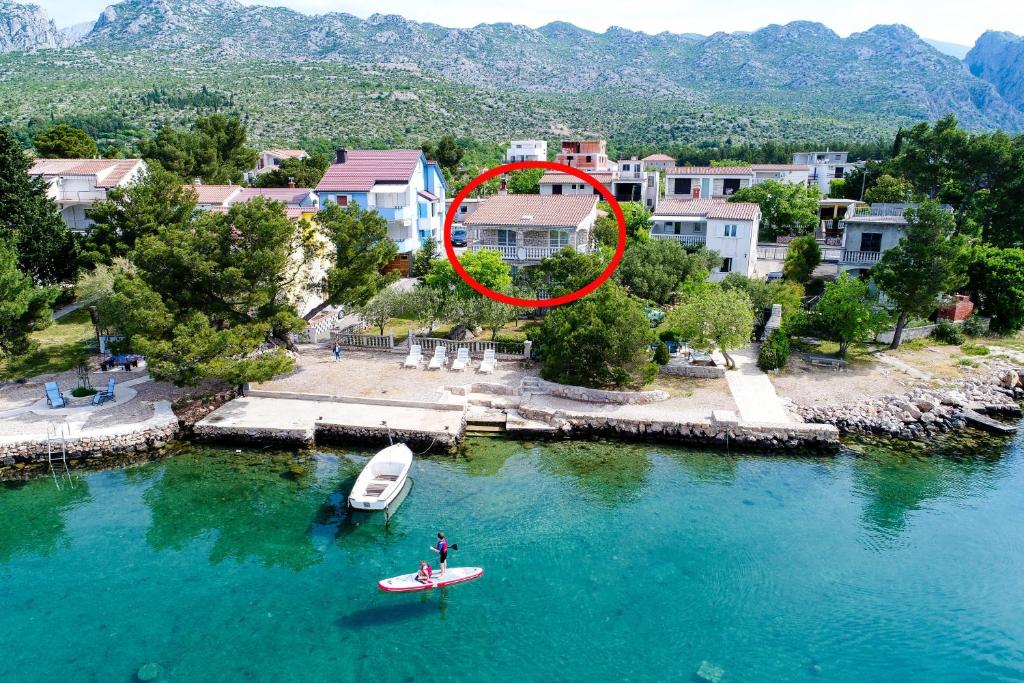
point(291, 183)
point(696, 192)
point(340, 155)
point(503, 185)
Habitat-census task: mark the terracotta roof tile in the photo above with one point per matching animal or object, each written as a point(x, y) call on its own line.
point(709, 208)
point(287, 153)
point(108, 172)
point(780, 167)
point(709, 170)
point(556, 211)
point(659, 157)
point(365, 168)
point(215, 194)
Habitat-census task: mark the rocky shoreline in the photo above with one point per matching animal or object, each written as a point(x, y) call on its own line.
point(924, 412)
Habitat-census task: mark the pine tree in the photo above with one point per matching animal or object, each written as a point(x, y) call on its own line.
point(30, 222)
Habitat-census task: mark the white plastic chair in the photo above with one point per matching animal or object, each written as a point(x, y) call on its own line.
point(439, 359)
point(415, 356)
point(461, 359)
point(489, 361)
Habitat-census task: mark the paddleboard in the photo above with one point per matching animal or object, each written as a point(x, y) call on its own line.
point(407, 582)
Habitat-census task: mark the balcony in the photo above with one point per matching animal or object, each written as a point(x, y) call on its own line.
point(686, 240)
point(518, 253)
point(396, 213)
point(861, 256)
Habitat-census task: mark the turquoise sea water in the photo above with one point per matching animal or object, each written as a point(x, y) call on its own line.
point(603, 561)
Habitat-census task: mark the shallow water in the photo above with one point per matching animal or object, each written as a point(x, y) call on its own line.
point(603, 561)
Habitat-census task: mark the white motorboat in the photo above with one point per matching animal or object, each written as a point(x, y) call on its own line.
point(382, 480)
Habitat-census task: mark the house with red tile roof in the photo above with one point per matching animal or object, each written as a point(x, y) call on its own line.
point(399, 184)
point(525, 228)
point(76, 184)
point(728, 228)
point(659, 162)
point(299, 202)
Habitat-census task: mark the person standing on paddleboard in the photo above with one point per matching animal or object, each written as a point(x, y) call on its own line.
point(442, 549)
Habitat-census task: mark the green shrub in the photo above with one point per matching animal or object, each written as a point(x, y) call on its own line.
point(975, 326)
point(661, 355)
point(79, 392)
point(948, 333)
point(668, 335)
point(975, 350)
point(774, 353)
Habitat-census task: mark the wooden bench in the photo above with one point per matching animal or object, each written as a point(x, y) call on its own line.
point(826, 361)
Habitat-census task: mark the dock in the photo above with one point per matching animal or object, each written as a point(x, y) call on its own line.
point(305, 420)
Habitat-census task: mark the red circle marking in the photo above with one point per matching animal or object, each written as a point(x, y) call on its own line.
point(620, 248)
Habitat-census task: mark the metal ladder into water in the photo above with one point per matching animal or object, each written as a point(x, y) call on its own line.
point(58, 460)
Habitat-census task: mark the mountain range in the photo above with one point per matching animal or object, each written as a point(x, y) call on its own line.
point(887, 72)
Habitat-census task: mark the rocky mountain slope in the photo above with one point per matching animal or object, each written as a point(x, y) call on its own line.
point(887, 70)
point(804, 70)
point(998, 57)
point(27, 27)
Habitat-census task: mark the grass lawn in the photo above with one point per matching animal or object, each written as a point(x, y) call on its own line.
point(856, 353)
point(61, 346)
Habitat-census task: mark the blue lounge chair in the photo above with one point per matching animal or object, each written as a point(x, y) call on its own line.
point(54, 398)
point(107, 395)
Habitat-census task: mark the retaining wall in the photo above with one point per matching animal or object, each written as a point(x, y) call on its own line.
point(601, 395)
point(19, 453)
point(698, 371)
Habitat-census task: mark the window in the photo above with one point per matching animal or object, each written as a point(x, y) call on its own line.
point(839, 171)
point(683, 185)
point(730, 230)
point(726, 265)
point(506, 238)
point(558, 238)
point(698, 227)
point(556, 189)
point(871, 241)
point(589, 158)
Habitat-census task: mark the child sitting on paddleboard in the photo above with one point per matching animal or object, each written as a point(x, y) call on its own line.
point(442, 549)
point(425, 572)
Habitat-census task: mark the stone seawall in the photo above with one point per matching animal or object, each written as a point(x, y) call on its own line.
point(925, 412)
point(720, 434)
point(24, 455)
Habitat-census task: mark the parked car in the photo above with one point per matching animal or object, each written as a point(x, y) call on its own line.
point(459, 237)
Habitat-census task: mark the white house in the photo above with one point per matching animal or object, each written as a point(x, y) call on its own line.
point(527, 150)
point(525, 228)
point(797, 174)
point(632, 182)
point(401, 185)
point(729, 228)
point(704, 182)
point(270, 159)
point(565, 184)
point(77, 184)
point(867, 236)
point(465, 208)
point(825, 167)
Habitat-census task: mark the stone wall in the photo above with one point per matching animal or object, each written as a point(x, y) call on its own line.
point(111, 443)
point(600, 395)
point(770, 437)
point(688, 370)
